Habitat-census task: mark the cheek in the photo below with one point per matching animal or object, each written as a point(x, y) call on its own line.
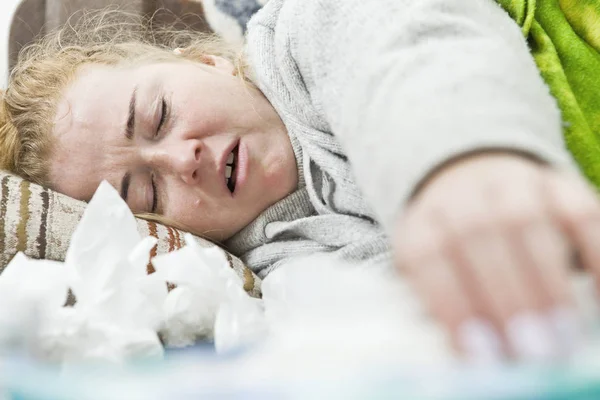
point(280, 163)
point(282, 175)
point(180, 204)
point(199, 119)
point(194, 210)
point(283, 182)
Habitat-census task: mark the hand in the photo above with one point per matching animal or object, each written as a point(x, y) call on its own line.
point(488, 243)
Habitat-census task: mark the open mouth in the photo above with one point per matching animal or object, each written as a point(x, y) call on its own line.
point(230, 169)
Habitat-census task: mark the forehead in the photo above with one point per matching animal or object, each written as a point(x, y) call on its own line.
point(89, 113)
point(90, 100)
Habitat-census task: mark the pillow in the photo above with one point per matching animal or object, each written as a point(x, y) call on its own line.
point(39, 222)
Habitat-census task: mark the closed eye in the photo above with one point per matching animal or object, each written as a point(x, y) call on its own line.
point(154, 207)
point(163, 115)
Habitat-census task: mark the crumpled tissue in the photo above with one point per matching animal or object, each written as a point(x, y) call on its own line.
point(327, 315)
point(119, 309)
point(22, 298)
point(209, 300)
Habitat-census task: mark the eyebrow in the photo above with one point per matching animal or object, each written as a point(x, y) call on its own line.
point(130, 124)
point(129, 130)
point(125, 185)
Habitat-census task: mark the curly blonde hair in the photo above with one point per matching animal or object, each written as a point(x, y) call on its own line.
point(46, 67)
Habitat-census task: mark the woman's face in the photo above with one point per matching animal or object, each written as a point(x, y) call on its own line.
point(189, 141)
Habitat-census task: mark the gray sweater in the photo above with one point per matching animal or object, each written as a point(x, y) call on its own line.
point(375, 95)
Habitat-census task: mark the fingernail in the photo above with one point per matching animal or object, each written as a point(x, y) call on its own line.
point(480, 342)
point(531, 338)
point(567, 328)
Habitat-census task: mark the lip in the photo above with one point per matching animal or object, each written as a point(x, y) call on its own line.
point(241, 169)
point(223, 163)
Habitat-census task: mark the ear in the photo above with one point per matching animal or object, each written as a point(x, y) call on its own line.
point(220, 63)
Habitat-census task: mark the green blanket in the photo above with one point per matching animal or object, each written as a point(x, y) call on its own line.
point(564, 38)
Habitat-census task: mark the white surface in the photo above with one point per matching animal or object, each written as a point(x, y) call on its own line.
point(7, 11)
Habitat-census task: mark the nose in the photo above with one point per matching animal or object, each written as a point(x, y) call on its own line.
point(182, 158)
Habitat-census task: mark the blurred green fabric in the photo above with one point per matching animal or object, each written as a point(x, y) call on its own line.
point(564, 38)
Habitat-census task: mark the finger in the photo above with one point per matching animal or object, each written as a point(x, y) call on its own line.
point(422, 257)
point(542, 251)
point(511, 305)
point(545, 251)
point(577, 209)
point(447, 299)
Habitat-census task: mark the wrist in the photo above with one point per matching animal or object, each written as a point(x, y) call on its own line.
point(473, 159)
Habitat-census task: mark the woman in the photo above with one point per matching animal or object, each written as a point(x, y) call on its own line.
point(358, 128)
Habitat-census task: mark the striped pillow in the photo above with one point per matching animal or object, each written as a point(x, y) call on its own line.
point(39, 222)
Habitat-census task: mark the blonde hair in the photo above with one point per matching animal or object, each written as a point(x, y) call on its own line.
point(46, 67)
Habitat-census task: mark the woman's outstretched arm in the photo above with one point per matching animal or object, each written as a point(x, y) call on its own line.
point(441, 100)
point(410, 84)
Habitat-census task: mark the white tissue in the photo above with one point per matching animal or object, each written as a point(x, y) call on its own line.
point(208, 301)
point(28, 288)
point(118, 308)
point(325, 315)
point(240, 321)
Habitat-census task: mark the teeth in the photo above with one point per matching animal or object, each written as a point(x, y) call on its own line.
point(230, 158)
point(228, 172)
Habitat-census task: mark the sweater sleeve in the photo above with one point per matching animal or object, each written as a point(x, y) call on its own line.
point(406, 85)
